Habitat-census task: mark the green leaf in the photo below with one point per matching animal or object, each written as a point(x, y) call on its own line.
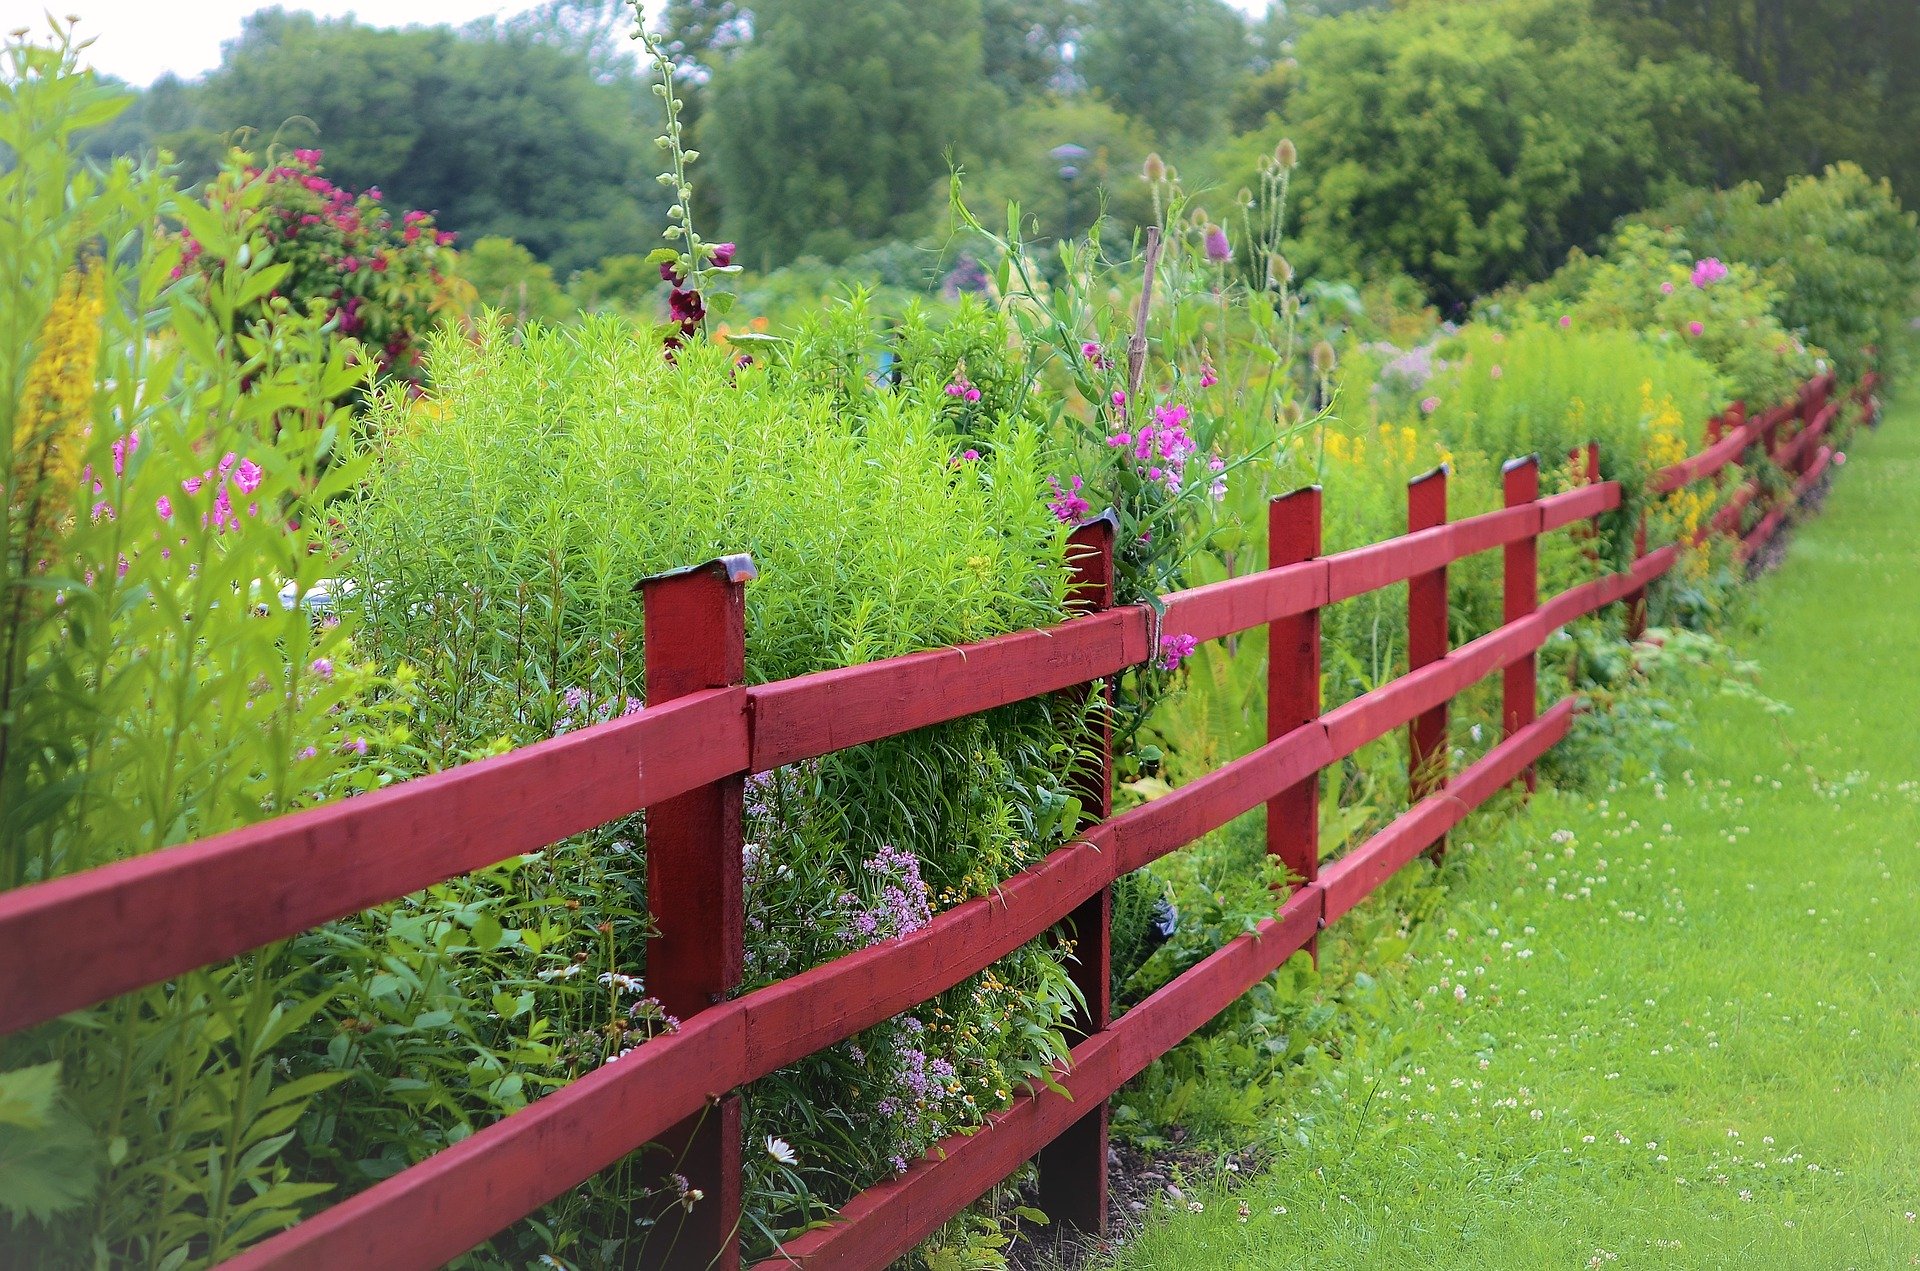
point(46, 1170)
point(27, 1095)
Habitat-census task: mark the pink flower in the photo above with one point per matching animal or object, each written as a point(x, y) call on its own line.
point(1219, 250)
point(1708, 272)
point(1566, 320)
point(1175, 649)
point(1696, 328)
point(723, 254)
point(1666, 289)
point(1207, 378)
point(163, 505)
point(1119, 397)
point(247, 476)
point(322, 667)
point(1497, 372)
point(970, 455)
point(1066, 504)
point(1429, 404)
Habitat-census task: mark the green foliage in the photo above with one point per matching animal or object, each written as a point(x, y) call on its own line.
point(1830, 76)
point(831, 129)
point(504, 277)
point(521, 130)
point(163, 673)
point(1648, 282)
point(1025, 174)
point(1472, 144)
point(1840, 249)
point(1170, 63)
point(344, 259)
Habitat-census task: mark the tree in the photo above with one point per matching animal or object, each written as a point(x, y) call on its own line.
point(1171, 63)
point(1470, 145)
point(833, 127)
point(535, 129)
point(1836, 78)
point(1024, 44)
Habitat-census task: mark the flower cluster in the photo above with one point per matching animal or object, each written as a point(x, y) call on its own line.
point(1175, 649)
point(686, 307)
point(903, 904)
point(1707, 272)
point(1160, 448)
point(1067, 503)
point(380, 282)
point(578, 709)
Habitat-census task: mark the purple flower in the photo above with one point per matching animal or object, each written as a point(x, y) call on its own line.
point(1696, 328)
point(322, 667)
point(1219, 250)
point(163, 505)
point(1174, 650)
point(1066, 504)
point(1429, 404)
point(247, 476)
point(1708, 272)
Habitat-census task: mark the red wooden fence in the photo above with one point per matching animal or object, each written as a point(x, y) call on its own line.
point(75, 941)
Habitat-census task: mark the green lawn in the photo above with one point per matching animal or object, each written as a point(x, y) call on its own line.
point(1670, 1026)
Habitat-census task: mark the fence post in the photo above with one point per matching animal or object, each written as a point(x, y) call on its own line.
point(1520, 592)
point(1073, 1168)
point(695, 628)
point(1293, 687)
point(1637, 599)
point(1428, 757)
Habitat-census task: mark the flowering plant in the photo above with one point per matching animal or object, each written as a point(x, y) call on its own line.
point(336, 253)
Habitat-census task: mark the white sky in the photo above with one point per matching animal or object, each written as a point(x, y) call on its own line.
point(140, 40)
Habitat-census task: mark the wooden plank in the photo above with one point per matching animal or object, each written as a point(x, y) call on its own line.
point(696, 640)
point(1364, 569)
point(1294, 533)
point(75, 941)
point(1240, 604)
point(817, 714)
point(1520, 597)
point(1582, 504)
point(1072, 1167)
point(1429, 753)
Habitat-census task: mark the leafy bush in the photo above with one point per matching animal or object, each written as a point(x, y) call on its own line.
point(501, 537)
point(1843, 254)
point(344, 257)
point(1724, 311)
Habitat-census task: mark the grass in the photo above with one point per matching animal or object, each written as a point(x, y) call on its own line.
point(1671, 1025)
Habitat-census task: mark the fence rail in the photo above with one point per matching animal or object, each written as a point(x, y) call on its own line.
point(71, 942)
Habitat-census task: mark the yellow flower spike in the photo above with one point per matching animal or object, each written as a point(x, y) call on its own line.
point(50, 432)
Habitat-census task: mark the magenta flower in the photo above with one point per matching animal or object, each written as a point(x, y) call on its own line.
point(322, 667)
point(1175, 649)
point(1119, 397)
point(1066, 504)
point(1666, 289)
point(1708, 272)
point(1207, 378)
point(1566, 320)
point(1219, 250)
point(1696, 328)
point(163, 505)
point(1429, 404)
point(723, 254)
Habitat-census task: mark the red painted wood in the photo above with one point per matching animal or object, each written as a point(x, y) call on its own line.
point(1637, 599)
point(818, 714)
point(1520, 596)
point(1428, 751)
point(1354, 876)
point(1240, 604)
point(158, 915)
point(1364, 569)
point(1582, 504)
point(1073, 1166)
point(696, 639)
point(1293, 684)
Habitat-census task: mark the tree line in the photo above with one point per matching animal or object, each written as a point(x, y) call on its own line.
point(1464, 144)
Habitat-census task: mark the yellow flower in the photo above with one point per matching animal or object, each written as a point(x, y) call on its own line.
point(56, 410)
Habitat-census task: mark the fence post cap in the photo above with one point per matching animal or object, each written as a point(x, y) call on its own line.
point(738, 568)
point(1520, 461)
